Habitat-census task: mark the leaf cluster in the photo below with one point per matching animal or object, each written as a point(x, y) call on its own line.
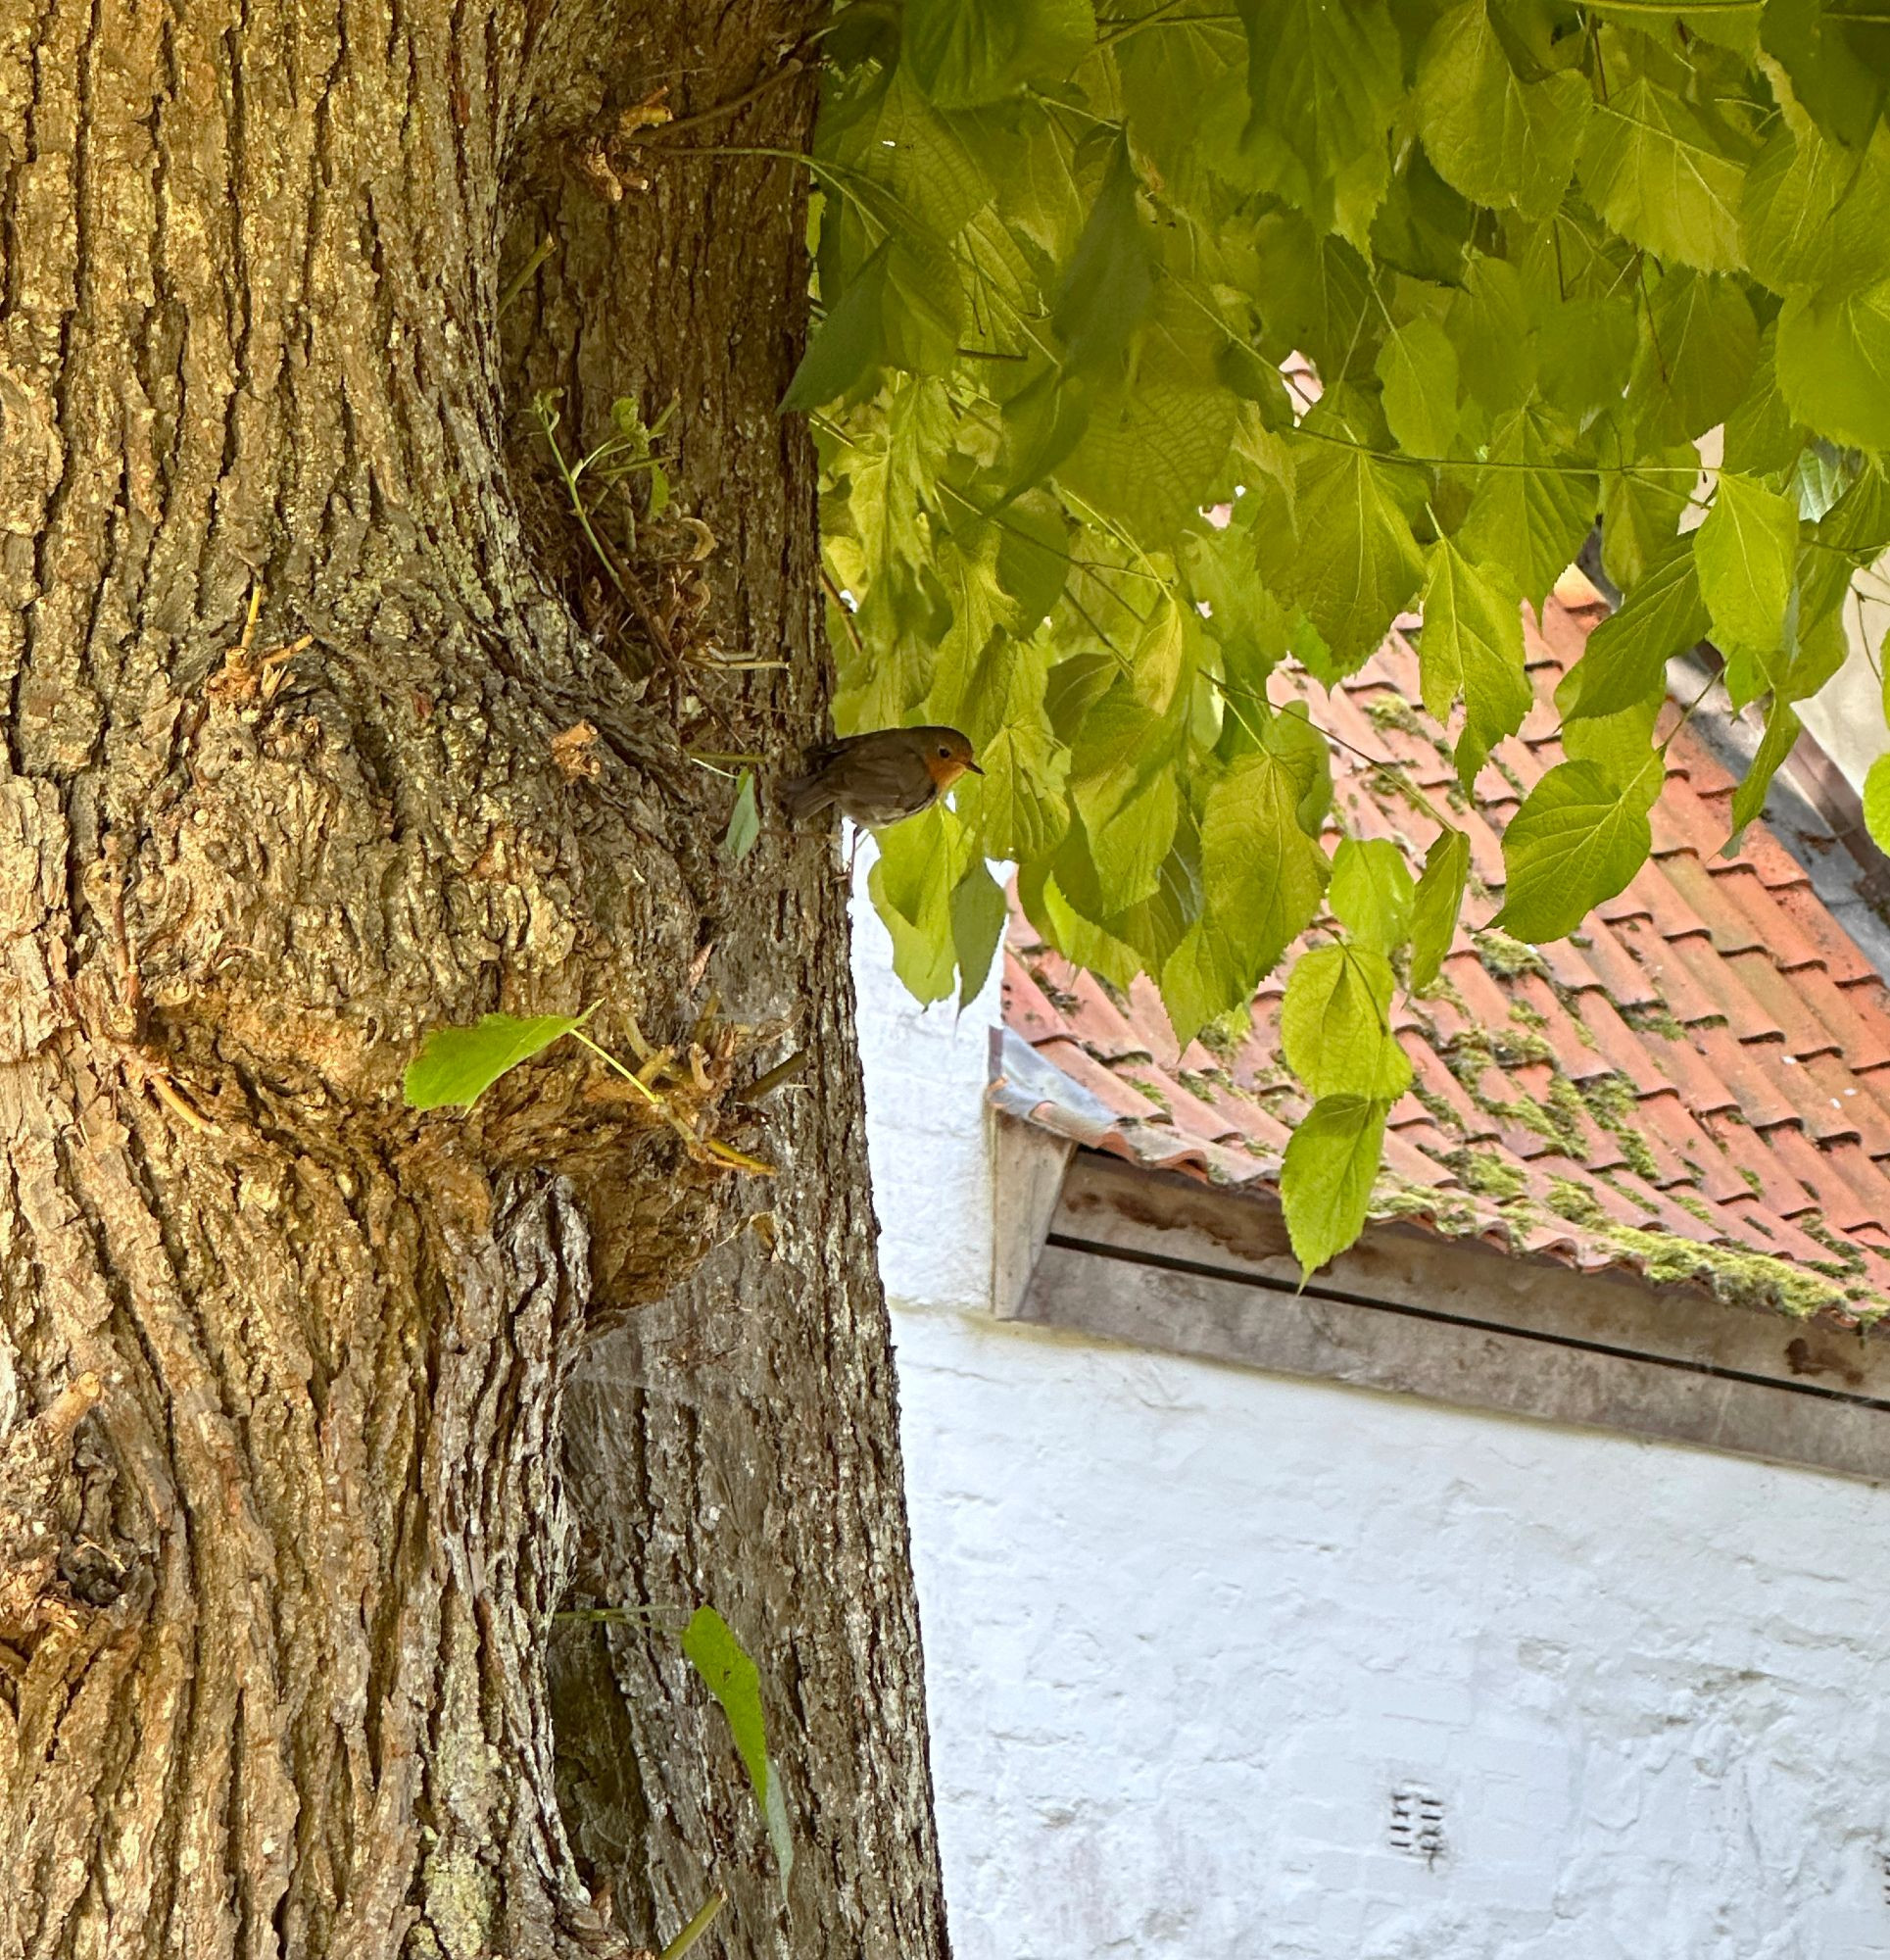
point(1163, 341)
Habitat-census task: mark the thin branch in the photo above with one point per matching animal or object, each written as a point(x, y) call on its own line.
point(654, 137)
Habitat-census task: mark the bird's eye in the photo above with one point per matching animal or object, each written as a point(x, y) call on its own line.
point(945, 754)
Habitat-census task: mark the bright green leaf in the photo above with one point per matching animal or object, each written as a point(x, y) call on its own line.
point(978, 916)
point(1160, 657)
point(1325, 1181)
point(1696, 358)
point(1107, 292)
point(744, 822)
point(1834, 364)
point(458, 1066)
point(1149, 455)
point(913, 878)
point(1624, 661)
point(1498, 140)
point(1663, 178)
point(1335, 1024)
point(849, 343)
point(1578, 840)
point(1439, 897)
point(1746, 551)
point(1352, 566)
point(1262, 877)
point(1876, 803)
point(1371, 894)
point(1418, 367)
point(1531, 514)
point(734, 1680)
point(1641, 511)
point(1471, 646)
point(1324, 78)
point(1783, 730)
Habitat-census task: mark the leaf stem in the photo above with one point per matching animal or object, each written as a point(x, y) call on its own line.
point(522, 277)
point(697, 1927)
point(636, 1082)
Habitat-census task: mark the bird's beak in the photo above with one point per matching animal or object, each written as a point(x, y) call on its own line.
point(974, 769)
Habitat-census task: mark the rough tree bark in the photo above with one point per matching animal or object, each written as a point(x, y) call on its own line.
point(282, 1522)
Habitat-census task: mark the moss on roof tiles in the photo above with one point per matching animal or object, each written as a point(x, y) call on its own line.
point(1488, 1173)
point(1612, 1104)
point(1758, 1280)
point(1573, 1202)
point(1393, 711)
point(1656, 1020)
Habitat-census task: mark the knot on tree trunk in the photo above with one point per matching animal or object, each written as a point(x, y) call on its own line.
point(48, 1575)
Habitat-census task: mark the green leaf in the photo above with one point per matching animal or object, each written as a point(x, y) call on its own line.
point(918, 867)
point(1761, 439)
point(1106, 293)
point(909, 167)
point(458, 1066)
point(1160, 657)
point(1876, 803)
point(1352, 565)
point(1696, 359)
point(1748, 553)
point(1324, 79)
point(977, 914)
point(1440, 899)
point(1033, 555)
point(849, 343)
point(1811, 42)
point(1371, 894)
point(744, 822)
point(1530, 514)
point(966, 52)
point(1150, 454)
point(1783, 730)
point(1262, 877)
point(734, 1680)
point(1578, 840)
point(1472, 645)
point(1641, 511)
point(1335, 1024)
point(1488, 323)
point(1325, 1181)
point(1498, 140)
point(1834, 364)
point(1583, 347)
point(1624, 661)
point(1792, 190)
point(1418, 367)
point(1662, 177)
point(1021, 807)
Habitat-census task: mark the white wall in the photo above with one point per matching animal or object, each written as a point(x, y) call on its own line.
point(1847, 716)
point(1186, 1627)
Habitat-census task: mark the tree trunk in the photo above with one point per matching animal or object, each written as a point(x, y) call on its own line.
point(283, 1366)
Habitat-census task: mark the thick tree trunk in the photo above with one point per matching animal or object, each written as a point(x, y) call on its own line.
point(282, 1525)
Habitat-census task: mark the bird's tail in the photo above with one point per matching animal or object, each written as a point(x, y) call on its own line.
point(802, 797)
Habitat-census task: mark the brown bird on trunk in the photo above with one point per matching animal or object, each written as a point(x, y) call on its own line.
point(883, 777)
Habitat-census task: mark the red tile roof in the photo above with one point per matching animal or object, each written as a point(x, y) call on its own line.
point(1695, 1086)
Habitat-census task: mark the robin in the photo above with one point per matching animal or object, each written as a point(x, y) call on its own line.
point(883, 777)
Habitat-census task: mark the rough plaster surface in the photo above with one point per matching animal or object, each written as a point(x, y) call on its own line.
point(1847, 715)
point(1187, 1628)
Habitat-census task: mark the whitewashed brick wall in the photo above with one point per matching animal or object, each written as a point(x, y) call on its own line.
point(1188, 1628)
